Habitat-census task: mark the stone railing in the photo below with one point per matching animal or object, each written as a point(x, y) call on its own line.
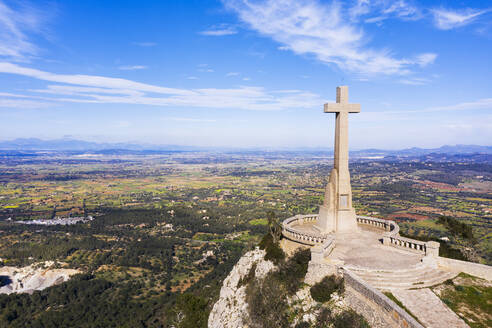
point(386, 225)
point(376, 307)
point(303, 237)
point(319, 252)
point(430, 248)
point(391, 237)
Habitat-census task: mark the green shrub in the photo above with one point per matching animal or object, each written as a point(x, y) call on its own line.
point(194, 310)
point(350, 319)
point(267, 298)
point(267, 302)
point(322, 291)
point(459, 288)
point(323, 319)
point(303, 324)
point(457, 228)
point(292, 272)
point(273, 251)
point(449, 282)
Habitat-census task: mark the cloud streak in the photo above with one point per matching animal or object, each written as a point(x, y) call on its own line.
point(15, 24)
point(323, 30)
point(80, 88)
point(380, 10)
point(480, 104)
point(132, 67)
point(219, 30)
point(447, 19)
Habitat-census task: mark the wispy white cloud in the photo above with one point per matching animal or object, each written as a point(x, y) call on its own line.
point(204, 68)
point(15, 25)
point(425, 59)
point(23, 103)
point(219, 30)
point(485, 103)
point(87, 80)
point(13, 100)
point(447, 19)
point(132, 67)
point(323, 30)
point(99, 89)
point(379, 10)
point(401, 9)
point(415, 81)
point(192, 78)
point(232, 74)
point(480, 104)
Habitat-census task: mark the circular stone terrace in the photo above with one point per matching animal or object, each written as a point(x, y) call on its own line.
point(367, 248)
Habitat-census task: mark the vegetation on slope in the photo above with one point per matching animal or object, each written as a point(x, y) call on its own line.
point(137, 270)
point(321, 292)
point(267, 298)
point(470, 297)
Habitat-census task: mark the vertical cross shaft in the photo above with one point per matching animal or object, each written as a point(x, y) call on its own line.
point(342, 108)
point(337, 213)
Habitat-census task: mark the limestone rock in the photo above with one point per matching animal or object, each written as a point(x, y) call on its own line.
point(231, 310)
point(33, 277)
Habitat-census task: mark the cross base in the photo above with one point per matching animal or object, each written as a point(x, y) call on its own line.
point(333, 216)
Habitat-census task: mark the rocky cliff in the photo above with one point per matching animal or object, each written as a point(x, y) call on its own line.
point(285, 295)
point(231, 310)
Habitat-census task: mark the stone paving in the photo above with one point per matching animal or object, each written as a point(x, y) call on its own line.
point(429, 308)
point(364, 249)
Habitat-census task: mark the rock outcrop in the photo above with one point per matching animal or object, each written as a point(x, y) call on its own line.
point(231, 310)
point(33, 277)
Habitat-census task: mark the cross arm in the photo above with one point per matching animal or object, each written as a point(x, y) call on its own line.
point(338, 107)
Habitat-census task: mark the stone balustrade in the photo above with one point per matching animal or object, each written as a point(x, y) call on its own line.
point(406, 243)
point(391, 236)
point(308, 238)
point(386, 225)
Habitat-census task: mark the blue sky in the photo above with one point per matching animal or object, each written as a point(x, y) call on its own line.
point(246, 73)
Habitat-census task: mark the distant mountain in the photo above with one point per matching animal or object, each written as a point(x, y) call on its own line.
point(23, 144)
point(415, 151)
point(34, 144)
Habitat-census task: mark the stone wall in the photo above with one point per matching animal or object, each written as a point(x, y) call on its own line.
point(317, 271)
point(474, 269)
point(378, 309)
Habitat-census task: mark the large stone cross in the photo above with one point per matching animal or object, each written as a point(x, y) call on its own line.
point(341, 108)
point(337, 213)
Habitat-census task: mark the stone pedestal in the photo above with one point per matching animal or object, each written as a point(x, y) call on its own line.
point(387, 238)
point(432, 248)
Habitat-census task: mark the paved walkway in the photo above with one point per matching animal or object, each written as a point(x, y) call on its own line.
point(429, 308)
point(365, 249)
